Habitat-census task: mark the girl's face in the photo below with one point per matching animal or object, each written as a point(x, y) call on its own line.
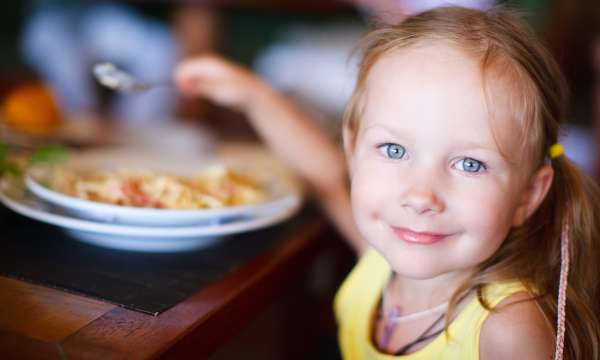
point(435, 188)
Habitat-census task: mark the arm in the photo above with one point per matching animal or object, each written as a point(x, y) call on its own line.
point(283, 127)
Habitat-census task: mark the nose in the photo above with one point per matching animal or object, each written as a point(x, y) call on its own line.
point(423, 199)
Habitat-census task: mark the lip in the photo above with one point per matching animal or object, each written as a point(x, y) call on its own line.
point(417, 237)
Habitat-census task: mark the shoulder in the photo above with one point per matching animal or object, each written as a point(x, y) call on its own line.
point(517, 329)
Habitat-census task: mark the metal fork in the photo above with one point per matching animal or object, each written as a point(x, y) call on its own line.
point(109, 75)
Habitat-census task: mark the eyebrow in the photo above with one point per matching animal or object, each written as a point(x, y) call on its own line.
point(379, 127)
point(472, 145)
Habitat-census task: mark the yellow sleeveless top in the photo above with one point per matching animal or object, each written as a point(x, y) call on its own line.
point(357, 299)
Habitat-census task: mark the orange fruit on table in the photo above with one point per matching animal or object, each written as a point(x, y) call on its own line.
point(31, 108)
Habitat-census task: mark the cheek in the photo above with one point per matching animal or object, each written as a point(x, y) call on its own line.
point(365, 201)
point(369, 191)
point(486, 202)
point(487, 215)
point(367, 213)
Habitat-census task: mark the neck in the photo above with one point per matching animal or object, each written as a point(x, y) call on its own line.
point(414, 295)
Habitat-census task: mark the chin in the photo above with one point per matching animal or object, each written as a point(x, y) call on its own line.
point(414, 268)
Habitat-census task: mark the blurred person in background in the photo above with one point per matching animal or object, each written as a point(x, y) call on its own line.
point(62, 40)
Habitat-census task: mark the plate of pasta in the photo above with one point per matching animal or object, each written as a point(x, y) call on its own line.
point(132, 192)
point(155, 203)
point(138, 238)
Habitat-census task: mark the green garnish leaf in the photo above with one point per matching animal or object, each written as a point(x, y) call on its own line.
point(4, 163)
point(43, 155)
point(48, 154)
point(3, 153)
point(10, 168)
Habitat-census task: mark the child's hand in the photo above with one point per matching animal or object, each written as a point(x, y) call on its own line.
point(218, 80)
point(283, 127)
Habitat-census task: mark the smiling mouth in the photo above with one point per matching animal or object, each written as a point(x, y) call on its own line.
point(414, 237)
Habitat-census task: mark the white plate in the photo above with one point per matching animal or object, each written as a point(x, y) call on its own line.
point(140, 238)
point(280, 190)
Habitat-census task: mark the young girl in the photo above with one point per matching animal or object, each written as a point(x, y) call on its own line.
point(458, 186)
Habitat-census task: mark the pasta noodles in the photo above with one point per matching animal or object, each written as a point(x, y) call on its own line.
point(215, 187)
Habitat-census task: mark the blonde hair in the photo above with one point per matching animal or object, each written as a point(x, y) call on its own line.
point(509, 52)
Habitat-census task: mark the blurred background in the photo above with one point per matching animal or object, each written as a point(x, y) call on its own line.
point(303, 48)
point(47, 49)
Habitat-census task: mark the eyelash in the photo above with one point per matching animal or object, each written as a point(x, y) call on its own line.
point(384, 150)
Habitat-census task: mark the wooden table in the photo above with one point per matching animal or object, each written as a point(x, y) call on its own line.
point(44, 323)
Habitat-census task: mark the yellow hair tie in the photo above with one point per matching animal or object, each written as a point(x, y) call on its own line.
point(556, 150)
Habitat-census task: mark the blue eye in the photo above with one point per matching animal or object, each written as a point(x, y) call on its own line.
point(470, 165)
point(392, 151)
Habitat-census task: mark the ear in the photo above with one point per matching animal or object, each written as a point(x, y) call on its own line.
point(349, 141)
point(534, 194)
